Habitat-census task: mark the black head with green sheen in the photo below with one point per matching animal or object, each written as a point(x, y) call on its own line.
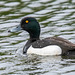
point(30, 25)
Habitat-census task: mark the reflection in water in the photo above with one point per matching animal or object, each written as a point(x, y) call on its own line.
point(56, 18)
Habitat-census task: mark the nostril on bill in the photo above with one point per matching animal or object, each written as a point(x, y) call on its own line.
point(9, 31)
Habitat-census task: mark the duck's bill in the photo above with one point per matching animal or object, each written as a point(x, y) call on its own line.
point(16, 29)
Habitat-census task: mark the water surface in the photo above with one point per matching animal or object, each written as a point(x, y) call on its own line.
point(56, 17)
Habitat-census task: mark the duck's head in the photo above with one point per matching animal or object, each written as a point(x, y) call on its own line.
point(30, 25)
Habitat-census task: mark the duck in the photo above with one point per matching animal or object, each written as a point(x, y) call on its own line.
point(48, 46)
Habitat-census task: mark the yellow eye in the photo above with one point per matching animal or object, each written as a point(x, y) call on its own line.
point(26, 21)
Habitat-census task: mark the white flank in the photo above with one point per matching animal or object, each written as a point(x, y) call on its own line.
point(48, 50)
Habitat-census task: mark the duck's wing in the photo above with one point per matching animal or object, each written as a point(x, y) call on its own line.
point(61, 40)
point(63, 43)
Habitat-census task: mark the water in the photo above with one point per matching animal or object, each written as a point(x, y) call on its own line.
point(56, 17)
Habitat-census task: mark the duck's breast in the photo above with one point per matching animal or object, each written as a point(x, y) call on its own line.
point(48, 50)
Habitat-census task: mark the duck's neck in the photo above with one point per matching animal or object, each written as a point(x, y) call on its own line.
point(34, 36)
point(33, 39)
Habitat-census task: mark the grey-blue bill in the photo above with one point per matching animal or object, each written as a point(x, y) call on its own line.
point(15, 29)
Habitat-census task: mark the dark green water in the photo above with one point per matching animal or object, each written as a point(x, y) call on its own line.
point(56, 17)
